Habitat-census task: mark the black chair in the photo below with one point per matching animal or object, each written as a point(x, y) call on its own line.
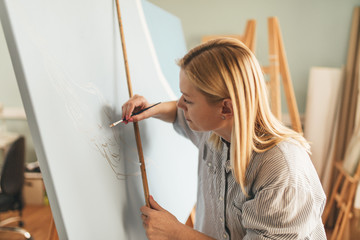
point(11, 183)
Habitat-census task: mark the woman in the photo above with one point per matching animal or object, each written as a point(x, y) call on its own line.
point(256, 180)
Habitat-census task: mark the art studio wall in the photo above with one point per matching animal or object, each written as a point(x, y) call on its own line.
point(315, 33)
point(10, 98)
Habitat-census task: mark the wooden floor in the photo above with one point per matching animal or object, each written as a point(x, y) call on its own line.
point(36, 221)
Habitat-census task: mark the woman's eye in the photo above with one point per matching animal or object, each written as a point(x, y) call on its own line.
point(186, 101)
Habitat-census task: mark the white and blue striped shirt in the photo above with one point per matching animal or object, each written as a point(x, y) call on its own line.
point(285, 197)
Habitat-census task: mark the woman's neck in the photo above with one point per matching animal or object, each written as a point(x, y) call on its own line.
point(225, 132)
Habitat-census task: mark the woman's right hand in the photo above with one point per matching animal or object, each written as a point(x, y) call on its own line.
point(165, 111)
point(134, 105)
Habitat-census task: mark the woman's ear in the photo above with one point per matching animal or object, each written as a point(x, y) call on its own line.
point(227, 107)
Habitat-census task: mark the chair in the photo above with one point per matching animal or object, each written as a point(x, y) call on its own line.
point(11, 183)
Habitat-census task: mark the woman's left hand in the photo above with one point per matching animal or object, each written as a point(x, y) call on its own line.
point(158, 223)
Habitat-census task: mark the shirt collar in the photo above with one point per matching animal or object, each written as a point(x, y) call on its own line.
point(227, 162)
point(226, 142)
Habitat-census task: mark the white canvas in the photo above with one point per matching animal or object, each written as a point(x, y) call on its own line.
point(69, 66)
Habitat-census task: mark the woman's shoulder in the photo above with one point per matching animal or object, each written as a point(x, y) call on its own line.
point(287, 163)
point(286, 152)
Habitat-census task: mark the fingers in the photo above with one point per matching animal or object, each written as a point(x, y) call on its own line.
point(154, 204)
point(133, 105)
point(146, 210)
point(145, 221)
point(147, 213)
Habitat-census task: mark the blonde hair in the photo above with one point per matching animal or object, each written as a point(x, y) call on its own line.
point(225, 68)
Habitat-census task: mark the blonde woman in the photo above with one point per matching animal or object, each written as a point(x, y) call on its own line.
point(256, 180)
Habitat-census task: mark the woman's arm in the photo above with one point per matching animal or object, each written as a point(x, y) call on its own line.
point(165, 111)
point(160, 224)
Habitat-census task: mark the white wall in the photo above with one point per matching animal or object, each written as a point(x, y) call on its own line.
point(10, 97)
point(9, 92)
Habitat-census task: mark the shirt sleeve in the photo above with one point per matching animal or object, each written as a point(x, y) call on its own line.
point(288, 198)
point(180, 125)
point(283, 213)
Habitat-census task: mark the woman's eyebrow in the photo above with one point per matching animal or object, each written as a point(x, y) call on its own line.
point(187, 95)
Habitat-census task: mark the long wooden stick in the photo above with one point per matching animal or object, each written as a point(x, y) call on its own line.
point(136, 125)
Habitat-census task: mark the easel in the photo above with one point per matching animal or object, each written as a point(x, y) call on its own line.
point(248, 38)
point(343, 193)
point(278, 67)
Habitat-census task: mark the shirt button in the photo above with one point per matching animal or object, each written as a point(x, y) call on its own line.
point(221, 198)
point(221, 219)
point(209, 164)
point(224, 235)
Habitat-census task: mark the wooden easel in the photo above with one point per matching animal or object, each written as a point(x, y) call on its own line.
point(248, 38)
point(278, 67)
point(343, 194)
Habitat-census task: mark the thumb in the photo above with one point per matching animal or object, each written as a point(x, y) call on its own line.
point(154, 204)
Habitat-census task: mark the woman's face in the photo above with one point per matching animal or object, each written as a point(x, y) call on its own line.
point(200, 115)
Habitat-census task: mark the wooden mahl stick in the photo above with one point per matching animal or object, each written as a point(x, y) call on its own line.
point(136, 125)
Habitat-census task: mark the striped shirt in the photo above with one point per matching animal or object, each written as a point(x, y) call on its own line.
point(285, 197)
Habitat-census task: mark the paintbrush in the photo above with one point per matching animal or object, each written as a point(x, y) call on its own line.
point(137, 113)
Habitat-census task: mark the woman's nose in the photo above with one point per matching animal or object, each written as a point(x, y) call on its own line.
point(180, 103)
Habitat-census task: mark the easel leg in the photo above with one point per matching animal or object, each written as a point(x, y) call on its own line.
point(331, 202)
point(286, 79)
point(249, 36)
point(275, 95)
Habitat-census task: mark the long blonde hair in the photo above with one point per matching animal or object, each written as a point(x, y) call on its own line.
point(225, 68)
